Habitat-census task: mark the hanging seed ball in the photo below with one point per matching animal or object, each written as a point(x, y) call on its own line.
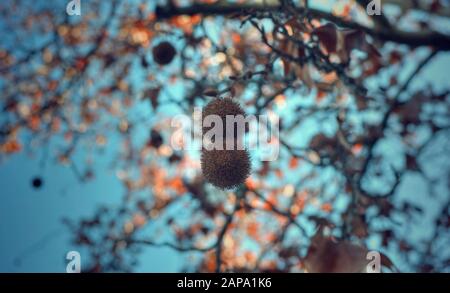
point(222, 108)
point(225, 169)
point(163, 53)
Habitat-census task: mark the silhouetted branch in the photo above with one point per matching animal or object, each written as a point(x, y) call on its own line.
point(169, 245)
point(414, 39)
point(394, 104)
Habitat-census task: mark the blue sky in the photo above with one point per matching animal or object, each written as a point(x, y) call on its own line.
point(33, 237)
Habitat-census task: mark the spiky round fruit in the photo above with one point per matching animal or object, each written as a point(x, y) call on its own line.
point(222, 108)
point(225, 169)
point(163, 53)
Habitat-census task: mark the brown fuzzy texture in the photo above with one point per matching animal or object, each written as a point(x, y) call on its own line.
point(163, 53)
point(225, 169)
point(222, 108)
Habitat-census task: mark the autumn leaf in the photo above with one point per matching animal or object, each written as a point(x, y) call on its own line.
point(139, 220)
point(327, 255)
point(357, 148)
point(177, 185)
point(253, 230)
point(293, 163)
point(343, 41)
point(326, 207)
point(185, 22)
point(11, 146)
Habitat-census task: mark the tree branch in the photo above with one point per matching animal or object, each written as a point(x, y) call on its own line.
point(396, 102)
point(169, 245)
point(220, 237)
point(413, 39)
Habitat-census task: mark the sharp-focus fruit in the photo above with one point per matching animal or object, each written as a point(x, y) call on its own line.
point(225, 169)
point(222, 108)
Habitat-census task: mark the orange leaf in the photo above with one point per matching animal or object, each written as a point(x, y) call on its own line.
point(236, 38)
point(293, 163)
point(326, 207)
point(178, 185)
point(185, 22)
point(252, 229)
point(11, 146)
point(250, 184)
point(249, 256)
point(270, 202)
point(357, 148)
point(139, 220)
point(346, 11)
point(34, 122)
point(279, 173)
point(330, 77)
point(320, 96)
point(280, 100)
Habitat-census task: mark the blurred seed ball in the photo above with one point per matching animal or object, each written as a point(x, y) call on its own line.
point(163, 53)
point(225, 169)
point(37, 182)
point(222, 108)
point(156, 140)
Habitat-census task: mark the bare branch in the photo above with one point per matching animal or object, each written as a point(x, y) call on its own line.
point(414, 39)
